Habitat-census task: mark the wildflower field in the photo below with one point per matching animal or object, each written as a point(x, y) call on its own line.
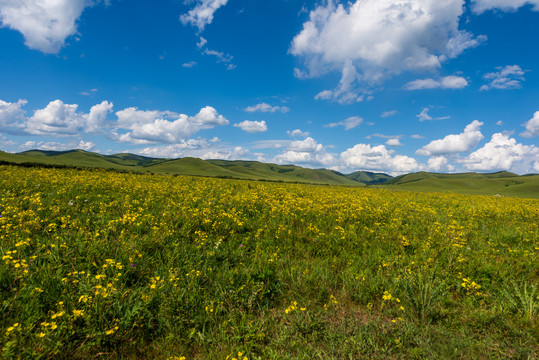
point(99, 264)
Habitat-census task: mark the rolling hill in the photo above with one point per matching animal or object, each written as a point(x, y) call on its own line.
point(370, 178)
point(251, 170)
point(502, 183)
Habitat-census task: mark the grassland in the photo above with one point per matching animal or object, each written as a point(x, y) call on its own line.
point(249, 170)
point(99, 264)
point(501, 183)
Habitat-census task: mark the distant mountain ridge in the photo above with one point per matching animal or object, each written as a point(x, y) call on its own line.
point(502, 182)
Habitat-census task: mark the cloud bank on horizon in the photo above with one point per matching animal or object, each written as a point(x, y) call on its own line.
point(379, 65)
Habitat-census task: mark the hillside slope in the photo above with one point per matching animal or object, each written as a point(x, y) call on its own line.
point(251, 170)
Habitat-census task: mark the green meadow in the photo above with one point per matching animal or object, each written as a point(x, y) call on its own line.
point(105, 264)
point(500, 183)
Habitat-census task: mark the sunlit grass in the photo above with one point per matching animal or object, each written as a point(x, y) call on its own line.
point(98, 263)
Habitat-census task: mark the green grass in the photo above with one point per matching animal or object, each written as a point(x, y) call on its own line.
point(500, 183)
point(117, 265)
point(250, 170)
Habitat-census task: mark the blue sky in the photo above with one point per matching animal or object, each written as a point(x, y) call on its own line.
point(394, 86)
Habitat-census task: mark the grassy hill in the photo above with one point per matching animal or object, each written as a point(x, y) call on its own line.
point(251, 170)
point(370, 178)
point(502, 183)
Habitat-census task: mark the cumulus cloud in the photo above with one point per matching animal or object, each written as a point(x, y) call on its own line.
point(263, 107)
point(56, 119)
point(480, 6)
point(298, 133)
point(455, 143)
point(164, 126)
point(503, 153)
point(365, 157)
point(369, 40)
point(96, 120)
point(202, 14)
point(348, 124)
point(440, 163)
point(86, 145)
point(394, 142)
point(252, 126)
point(45, 24)
point(532, 126)
point(447, 82)
point(307, 152)
point(11, 116)
point(507, 78)
point(199, 148)
point(56, 146)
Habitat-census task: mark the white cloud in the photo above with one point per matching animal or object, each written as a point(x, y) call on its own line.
point(503, 153)
point(221, 58)
point(532, 126)
point(164, 126)
point(424, 116)
point(96, 120)
point(447, 82)
point(199, 148)
point(462, 41)
point(252, 126)
point(45, 24)
point(394, 142)
point(307, 152)
point(365, 157)
point(417, 136)
point(388, 113)
point(189, 64)
point(237, 153)
point(307, 145)
point(369, 40)
point(298, 133)
point(507, 78)
point(201, 43)
point(480, 6)
point(90, 92)
point(440, 163)
point(11, 115)
point(263, 107)
point(499, 123)
point(202, 14)
point(536, 166)
point(346, 92)
point(86, 145)
point(56, 119)
point(349, 123)
point(56, 146)
point(453, 144)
